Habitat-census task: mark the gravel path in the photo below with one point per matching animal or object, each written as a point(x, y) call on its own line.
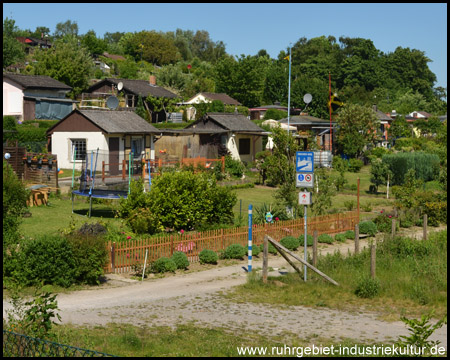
point(197, 297)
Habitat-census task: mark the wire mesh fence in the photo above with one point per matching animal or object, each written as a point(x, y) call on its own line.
point(18, 345)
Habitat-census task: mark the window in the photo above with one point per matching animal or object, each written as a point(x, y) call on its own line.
point(244, 146)
point(80, 146)
point(137, 147)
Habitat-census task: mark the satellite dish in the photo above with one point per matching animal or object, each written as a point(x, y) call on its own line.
point(120, 86)
point(112, 103)
point(307, 98)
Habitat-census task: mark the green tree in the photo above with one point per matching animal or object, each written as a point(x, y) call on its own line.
point(379, 173)
point(276, 82)
point(322, 200)
point(66, 28)
point(399, 128)
point(150, 46)
point(13, 50)
point(356, 127)
point(95, 45)
point(67, 62)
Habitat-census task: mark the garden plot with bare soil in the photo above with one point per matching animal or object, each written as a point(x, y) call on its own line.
point(200, 297)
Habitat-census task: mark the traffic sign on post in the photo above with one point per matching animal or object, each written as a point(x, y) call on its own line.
point(304, 198)
point(304, 161)
point(304, 180)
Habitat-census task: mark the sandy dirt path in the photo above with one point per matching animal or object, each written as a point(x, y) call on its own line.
point(197, 297)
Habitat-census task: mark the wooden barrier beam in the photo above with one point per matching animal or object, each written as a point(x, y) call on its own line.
point(278, 246)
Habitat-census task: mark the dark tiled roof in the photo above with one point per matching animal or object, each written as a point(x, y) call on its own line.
point(233, 122)
point(382, 116)
point(227, 100)
point(119, 121)
point(267, 107)
point(137, 87)
point(36, 81)
point(113, 56)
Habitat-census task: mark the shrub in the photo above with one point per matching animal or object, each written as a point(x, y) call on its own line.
point(164, 264)
point(367, 287)
point(340, 237)
point(234, 251)
point(384, 223)
point(426, 166)
point(367, 207)
point(290, 243)
point(349, 234)
point(275, 114)
point(309, 240)
point(47, 259)
point(325, 238)
point(368, 227)
point(255, 250)
point(355, 165)
point(92, 229)
point(208, 257)
point(183, 200)
point(350, 205)
point(136, 199)
point(15, 198)
point(406, 223)
point(180, 259)
point(90, 255)
point(234, 167)
point(144, 221)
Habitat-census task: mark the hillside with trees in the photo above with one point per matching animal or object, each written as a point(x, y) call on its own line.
point(189, 62)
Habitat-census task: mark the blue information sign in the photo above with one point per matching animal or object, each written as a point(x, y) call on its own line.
point(304, 161)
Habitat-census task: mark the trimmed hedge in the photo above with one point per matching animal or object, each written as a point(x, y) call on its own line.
point(325, 239)
point(290, 243)
point(425, 165)
point(368, 227)
point(208, 257)
point(234, 251)
point(180, 259)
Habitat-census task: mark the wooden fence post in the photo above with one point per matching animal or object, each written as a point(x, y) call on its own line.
point(124, 168)
point(425, 221)
point(103, 171)
point(265, 258)
point(372, 260)
point(314, 259)
point(393, 228)
point(223, 164)
point(356, 238)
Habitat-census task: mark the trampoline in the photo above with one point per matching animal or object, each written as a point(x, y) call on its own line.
point(109, 189)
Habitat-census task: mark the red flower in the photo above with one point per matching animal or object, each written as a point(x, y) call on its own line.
point(181, 231)
point(381, 211)
point(390, 216)
point(128, 237)
point(276, 219)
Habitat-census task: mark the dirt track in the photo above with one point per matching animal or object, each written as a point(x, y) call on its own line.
point(196, 297)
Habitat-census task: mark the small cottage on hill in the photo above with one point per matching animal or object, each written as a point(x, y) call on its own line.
point(114, 133)
point(30, 97)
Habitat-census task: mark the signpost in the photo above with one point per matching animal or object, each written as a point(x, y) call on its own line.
point(305, 179)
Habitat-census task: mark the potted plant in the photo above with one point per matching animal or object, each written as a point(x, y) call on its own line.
point(50, 159)
point(28, 159)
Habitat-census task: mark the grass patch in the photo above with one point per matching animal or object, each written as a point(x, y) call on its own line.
point(412, 277)
point(185, 340)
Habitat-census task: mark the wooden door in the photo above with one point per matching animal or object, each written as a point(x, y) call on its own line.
point(114, 155)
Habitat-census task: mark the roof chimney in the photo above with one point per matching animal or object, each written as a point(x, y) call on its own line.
point(152, 80)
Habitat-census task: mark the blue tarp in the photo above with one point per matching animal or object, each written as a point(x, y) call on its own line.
point(52, 110)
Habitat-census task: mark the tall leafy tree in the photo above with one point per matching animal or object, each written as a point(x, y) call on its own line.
point(66, 28)
point(67, 62)
point(13, 51)
point(95, 45)
point(356, 127)
point(243, 79)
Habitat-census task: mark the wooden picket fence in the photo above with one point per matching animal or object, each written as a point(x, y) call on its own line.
point(124, 255)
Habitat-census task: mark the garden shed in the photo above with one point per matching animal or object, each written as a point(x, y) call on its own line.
point(241, 137)
point(30, 97)
point(114, 133)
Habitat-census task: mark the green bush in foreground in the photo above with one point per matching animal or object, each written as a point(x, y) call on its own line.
point(340, 238)
point(208, 257)
point(368, 227)
point(163, 265)
point(325, 239)
point(309, 240)
point(367, 287)
point(234, 251)
point(349, 234)
point(290, 243)
point(180, 259)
